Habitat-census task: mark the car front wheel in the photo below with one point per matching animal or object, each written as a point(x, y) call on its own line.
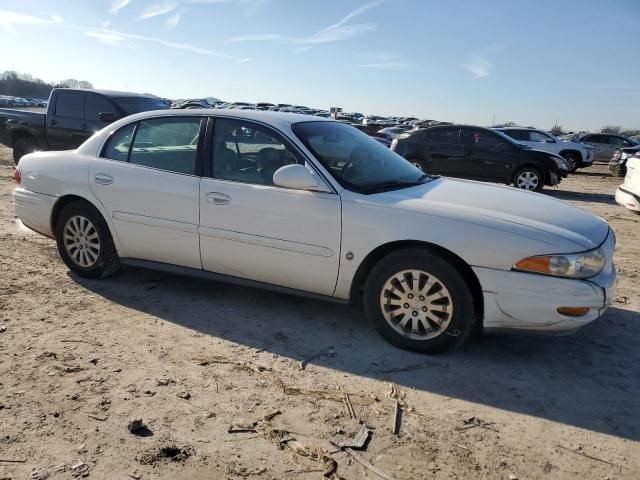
point(572, 161)
point(84, 241)
point(528, 178)
point(419, 301)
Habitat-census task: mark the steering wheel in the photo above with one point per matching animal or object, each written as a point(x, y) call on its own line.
point(358, 158)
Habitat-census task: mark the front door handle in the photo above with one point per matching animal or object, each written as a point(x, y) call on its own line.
point(53, 122)
point(103, 179)
point(217, 198)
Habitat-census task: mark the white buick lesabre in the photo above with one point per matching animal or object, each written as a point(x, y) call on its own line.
point(312, 206)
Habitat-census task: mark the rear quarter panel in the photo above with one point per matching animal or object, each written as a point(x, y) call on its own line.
point(60, 174)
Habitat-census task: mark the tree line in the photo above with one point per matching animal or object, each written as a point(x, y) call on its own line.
point(24, 85)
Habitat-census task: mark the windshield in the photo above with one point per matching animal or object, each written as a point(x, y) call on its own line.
point(133, 105)
point(356, 160)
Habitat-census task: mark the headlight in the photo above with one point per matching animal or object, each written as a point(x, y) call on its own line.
point(560, 162)
point(572, 265)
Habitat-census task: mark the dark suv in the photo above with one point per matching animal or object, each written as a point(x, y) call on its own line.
point(480, 154)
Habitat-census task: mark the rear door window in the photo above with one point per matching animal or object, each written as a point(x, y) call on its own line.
point(70, 104)
point(483, 140)
point(445, 136)
point(167, 144)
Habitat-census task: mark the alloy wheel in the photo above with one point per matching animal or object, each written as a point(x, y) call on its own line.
point(416, 304)
point(81, 241)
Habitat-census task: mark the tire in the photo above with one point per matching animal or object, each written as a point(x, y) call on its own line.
point(418, 163)
point(528, 178)
point(573, 161)
point(84, 241)
point(454, 310)
point(22, 146)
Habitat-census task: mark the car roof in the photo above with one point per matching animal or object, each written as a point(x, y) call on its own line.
point(111, 93)
point(276, 119)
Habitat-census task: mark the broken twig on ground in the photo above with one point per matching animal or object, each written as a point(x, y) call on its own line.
point(358, 442)
point(305, 362)
point(350, 410)
point(74, 340)
point(366, 464)
point(414, 367)
point(397, 416)
point(588, 456)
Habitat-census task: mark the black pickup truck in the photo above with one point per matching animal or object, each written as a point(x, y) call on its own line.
point(72, 116)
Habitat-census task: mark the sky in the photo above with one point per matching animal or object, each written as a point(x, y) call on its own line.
point(576, 62)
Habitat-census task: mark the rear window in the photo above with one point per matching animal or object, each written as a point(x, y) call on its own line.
point(133, 105)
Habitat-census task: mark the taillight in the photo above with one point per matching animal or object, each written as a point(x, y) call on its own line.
point(16, 176)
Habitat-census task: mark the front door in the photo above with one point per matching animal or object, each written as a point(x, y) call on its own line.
point(487, 155)
point(150, 189)
point(253, 229)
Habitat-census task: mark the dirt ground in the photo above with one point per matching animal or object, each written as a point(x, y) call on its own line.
point(79, 359)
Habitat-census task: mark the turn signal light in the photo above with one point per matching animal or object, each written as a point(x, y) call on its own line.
point(574, 311)
point(16, 176)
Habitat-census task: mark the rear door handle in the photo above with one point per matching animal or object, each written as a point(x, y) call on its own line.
point(103, 179)
point(217, 198)
point(53, 122)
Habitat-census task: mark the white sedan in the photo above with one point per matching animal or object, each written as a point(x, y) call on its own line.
point(315, 207)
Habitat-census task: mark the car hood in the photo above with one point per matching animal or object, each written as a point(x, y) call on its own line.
point(477, 201)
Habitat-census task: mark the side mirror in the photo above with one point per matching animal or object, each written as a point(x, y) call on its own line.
point(296, 176)
point(108, 117)
point(550, 140)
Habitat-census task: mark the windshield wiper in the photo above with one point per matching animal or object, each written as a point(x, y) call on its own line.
point(379, 187)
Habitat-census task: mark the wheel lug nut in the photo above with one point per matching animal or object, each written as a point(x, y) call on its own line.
point(415, 314)
point(410, 295)
point(424, 309)
point(421, 298)
point(406, 305)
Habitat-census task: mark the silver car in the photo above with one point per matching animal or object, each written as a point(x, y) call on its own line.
point(605, 144)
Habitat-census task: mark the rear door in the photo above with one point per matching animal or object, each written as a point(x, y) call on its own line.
point(66, 128)
point(442, 151)
point(253, 229)
point(487, 155)
point(150, 188)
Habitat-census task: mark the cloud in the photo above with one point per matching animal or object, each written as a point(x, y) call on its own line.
point(57, 19)
point(10, 19)
point(337, 34)
point(158, 8)
point(355, 13)
point(117, 38)
point(173, 20)
point(244, 60)
point(117, 5)
point(385, 65)
point(480, 67)
point(302, 49)
point(341, 30)
point(259, 37)
point(107, 38)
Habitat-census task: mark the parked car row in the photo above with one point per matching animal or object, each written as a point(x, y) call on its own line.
point(9, 101)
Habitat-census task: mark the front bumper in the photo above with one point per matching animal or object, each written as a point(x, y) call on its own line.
point(528, 302)
point(628, 199)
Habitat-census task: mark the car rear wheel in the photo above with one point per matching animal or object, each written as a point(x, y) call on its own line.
point(572, 161)
point(84, 241)
point(23, 146)
point(528, 178)
point(419, 301)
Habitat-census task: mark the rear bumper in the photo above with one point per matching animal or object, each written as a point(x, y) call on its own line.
point(34, 209)
point(517, 302)
point(628, 199)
